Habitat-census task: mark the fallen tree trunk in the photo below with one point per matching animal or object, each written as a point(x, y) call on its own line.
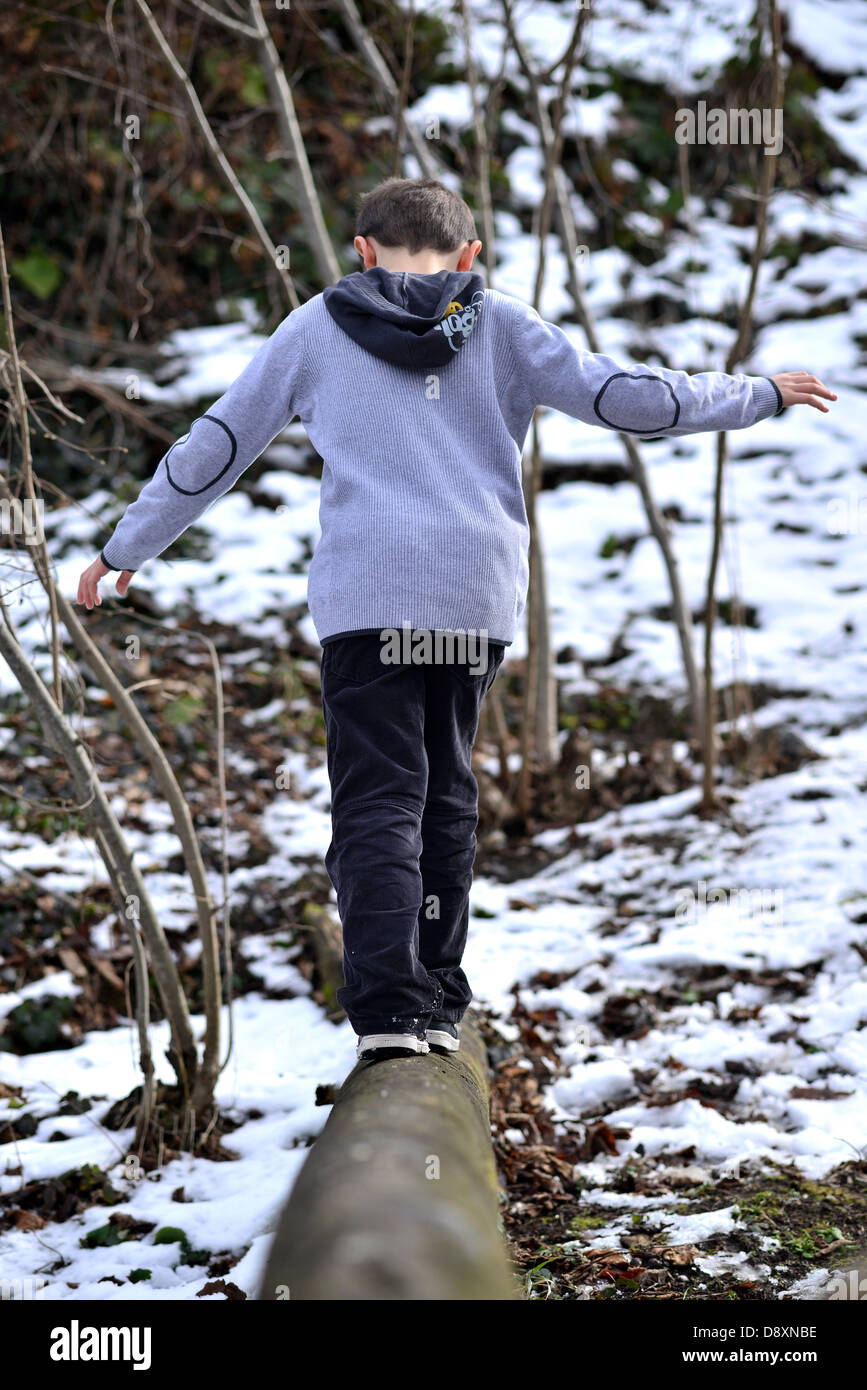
point(398, 1197)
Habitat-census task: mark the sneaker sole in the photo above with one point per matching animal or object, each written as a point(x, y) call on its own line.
point(390, 1042)
point(444, 1042)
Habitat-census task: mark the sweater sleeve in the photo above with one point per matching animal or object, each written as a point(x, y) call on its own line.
point(640, 400)
point(209, 459)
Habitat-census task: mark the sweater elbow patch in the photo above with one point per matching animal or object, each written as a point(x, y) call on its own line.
point(623, 404)
point(214, 439)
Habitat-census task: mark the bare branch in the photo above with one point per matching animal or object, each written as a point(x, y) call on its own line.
point(483, 151)
point(217, 155)
point(184, 829)
point(293, 141)
point(79, 379)
point(656, 521)
point(95, 807)
point(228, 20)
point(403, 90)
point(107, 831)
point(735, 353)
point(39, 552)
point(381, 74)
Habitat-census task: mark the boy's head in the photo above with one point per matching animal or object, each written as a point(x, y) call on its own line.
point(415, 224)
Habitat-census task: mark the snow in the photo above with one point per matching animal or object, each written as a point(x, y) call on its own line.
point(795, 497)
point(283, 1050)
point(841, 25)
point(591, 1085)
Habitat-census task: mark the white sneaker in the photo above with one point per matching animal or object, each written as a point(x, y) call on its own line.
point(446, 1037)
point(372, 1043)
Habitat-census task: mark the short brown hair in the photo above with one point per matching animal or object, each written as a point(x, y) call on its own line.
point(420, 214)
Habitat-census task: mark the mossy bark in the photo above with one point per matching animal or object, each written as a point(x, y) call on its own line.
point(398, 1198)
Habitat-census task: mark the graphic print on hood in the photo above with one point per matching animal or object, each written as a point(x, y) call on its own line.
point(405, 317)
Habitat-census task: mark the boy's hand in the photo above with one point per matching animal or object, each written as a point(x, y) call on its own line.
point(800, 388)
point(88, 584)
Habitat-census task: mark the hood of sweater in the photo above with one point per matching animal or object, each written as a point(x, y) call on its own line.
point(405, 317)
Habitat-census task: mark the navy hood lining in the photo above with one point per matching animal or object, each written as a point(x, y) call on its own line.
point(408, 318)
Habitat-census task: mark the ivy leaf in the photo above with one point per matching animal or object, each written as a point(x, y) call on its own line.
point(253, 89)
point(103, 1235)
point(39, 271)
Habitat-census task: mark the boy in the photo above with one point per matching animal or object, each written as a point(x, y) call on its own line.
point(417, 387)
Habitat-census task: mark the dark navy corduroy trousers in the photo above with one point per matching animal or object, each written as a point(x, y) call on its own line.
point(404, 813)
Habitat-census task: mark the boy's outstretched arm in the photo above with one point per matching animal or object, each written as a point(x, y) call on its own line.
point(207, 461)
point(643, 400)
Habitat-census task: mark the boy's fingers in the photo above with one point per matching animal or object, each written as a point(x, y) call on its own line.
point(820, 389)
point(824, 390)
point(88, 589)
point(88, 584)
point(812, 383)
point(803, 388)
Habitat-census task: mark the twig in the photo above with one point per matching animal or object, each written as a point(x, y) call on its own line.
point(183, 824)
point(216, 153)
point(228, 20)
point(124, 875)
point(384, 81)
point(20, 872)
point(483, 151)
point(141, 1013)
point(656, 521)
point(78, 379)
point(38, 551)
point(123, 871)
point(210, 956)
point(403, 91)
point(734, 355)
point(290, 133)
point(55, 400)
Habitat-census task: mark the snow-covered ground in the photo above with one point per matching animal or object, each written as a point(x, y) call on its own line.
point(777, 889)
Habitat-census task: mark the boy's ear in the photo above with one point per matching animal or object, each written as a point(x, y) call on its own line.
point(468, 255)
point(365, 248)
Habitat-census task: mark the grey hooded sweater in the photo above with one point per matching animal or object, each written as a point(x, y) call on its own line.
point(421, 504)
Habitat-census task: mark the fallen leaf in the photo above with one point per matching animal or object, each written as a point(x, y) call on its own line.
point(71, 961)
point(108, 973)
point(678, 1254)
point(232, 1292)
point(27, 1220)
